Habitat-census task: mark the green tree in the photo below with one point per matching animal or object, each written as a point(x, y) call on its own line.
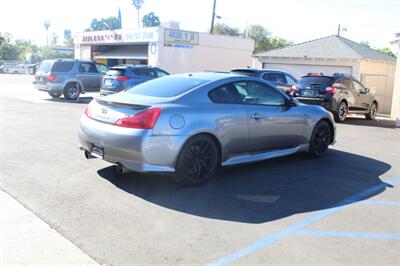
point(150, 20)
point(54, 39)
point(386, 51)
point(8, 51)
point(138, 5)
point(110, 23)
point(47, 25)
point(68, 39)
point(263, 40)
point(365, 43)
point(225, 29)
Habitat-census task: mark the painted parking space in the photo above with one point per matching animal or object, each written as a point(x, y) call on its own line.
point(299, 228)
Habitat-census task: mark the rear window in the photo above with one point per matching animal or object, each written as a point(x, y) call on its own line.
point(116, 72)
point(62, 66)
point(168, 86)
point(45, 66)
point(324, 81)
point(248, 73)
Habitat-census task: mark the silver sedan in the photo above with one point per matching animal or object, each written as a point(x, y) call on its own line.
point(192, 124)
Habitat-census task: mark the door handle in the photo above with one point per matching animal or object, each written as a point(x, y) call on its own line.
point(256, 116)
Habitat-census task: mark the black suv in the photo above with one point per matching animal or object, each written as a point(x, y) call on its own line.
point(341, 94)
point(280, 79)
point(124, 77)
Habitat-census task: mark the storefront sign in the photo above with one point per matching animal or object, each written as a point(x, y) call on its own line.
point(179, 36)
point(117, 36)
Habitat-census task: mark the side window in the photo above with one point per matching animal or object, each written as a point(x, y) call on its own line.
point(290, 81)
point(275, 77)
point(87, 68)
point(225, 94)
point(358, 87)
point(101, 68)
point(258, 93)
point(160, 73)
point(348, 83)
point(140, 72)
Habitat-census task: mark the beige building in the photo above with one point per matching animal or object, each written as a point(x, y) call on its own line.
point(396, 91)
point(335, 54)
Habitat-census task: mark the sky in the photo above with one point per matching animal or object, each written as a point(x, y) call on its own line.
point(298, 21)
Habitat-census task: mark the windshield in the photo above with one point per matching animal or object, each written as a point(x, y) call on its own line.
point(168, 86)
point(307, 81)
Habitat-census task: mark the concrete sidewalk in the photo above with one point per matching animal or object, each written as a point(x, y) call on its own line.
point(25, 239)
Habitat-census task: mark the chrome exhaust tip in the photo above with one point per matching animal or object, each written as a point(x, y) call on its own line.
point(88, 155)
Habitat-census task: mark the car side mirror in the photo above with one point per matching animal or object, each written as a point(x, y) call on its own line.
point(366, 90)
point(250, 100)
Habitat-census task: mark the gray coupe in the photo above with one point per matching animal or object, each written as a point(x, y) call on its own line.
point(192, 124)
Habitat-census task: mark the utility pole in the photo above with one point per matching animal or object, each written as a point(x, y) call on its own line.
point(338, 30)
point(213, 17)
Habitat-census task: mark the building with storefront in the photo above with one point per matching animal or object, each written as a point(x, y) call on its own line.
point(176, 51)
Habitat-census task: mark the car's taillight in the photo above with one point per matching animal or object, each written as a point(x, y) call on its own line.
point(330, 90)
point(51, 77)
point(293, 89)
point(121, 78)
point(144, 120)
point(87, 110)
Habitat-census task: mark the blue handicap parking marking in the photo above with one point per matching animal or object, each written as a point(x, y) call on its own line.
point(298, 227)
point(347, 234)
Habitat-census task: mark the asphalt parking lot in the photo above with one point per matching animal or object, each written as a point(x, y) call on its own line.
point(341, 209)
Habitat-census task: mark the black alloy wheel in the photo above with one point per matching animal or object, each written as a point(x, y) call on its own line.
point(341, 113)
point(320, 140)
point(197, 161)
point(372, 112)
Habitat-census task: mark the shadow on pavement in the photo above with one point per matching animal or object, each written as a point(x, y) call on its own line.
point(355, 121)
point(82, 100)
point(261, 192)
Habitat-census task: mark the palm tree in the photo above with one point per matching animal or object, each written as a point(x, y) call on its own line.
point(138, 5)
point(47, 26)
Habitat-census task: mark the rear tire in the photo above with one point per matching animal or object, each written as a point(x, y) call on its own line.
point(71, 91)
point(197, 161)
point(372, 111)
point(55, 95)
point(320, 139)
point(341, 113)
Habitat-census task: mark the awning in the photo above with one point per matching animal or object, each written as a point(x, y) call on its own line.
point(127, 52)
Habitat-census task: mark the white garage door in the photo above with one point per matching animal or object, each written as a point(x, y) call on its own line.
point(300, 70)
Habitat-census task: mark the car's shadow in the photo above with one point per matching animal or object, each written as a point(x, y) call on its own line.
point(356, 121)
point(261, 192)
point(82, 100)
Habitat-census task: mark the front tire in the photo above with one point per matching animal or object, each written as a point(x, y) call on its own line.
point(372, 112)
point(197, 161)
point(71, 91)
point(341, 112)
point(320, 139)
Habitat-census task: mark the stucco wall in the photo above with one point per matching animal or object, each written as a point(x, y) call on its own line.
point(379, 78)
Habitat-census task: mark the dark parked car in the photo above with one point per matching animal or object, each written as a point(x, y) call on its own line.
point(341, 94)
point(123, 77)
point(280, 79)
point(69, 77)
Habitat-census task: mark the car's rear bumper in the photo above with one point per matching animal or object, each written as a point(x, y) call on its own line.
point(136, 149)
point(49, 87)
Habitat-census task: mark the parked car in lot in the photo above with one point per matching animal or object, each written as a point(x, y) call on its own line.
point(123, 77)
point(15, 69)
point(191, 124)
point(69, 77)
point(341, 94)
point(280, 79)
